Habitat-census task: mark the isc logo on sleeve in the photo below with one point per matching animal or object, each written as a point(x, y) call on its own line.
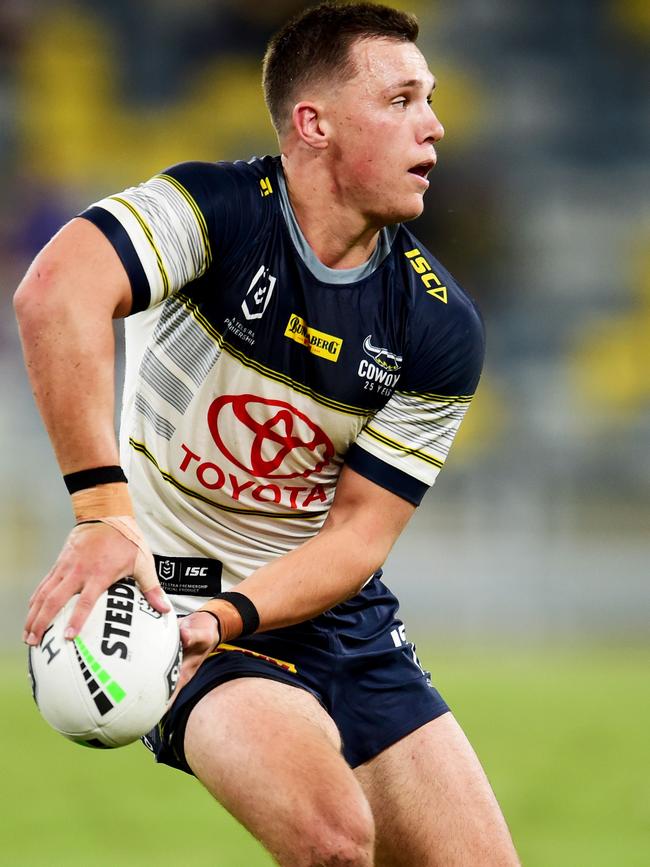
point(422, 267)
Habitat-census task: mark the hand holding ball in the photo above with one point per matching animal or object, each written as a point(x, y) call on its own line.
point(112, 683)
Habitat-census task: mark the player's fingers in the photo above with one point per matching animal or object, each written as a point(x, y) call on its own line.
point(51, 604)
point(41, 584)
point(53, 578)
point(84, 605)
point(199, 635)
point(144, 573)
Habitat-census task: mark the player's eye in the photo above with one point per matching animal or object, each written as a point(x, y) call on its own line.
point(429, 99)
point(400, 102)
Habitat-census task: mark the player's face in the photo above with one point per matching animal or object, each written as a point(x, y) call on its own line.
point(384, 131)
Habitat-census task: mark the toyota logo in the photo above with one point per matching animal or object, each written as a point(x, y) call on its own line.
point(269, 439)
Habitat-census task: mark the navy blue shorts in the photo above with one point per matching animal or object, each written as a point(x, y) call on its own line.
point(356, 661)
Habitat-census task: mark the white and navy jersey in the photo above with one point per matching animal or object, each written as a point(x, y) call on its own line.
point(254, 372)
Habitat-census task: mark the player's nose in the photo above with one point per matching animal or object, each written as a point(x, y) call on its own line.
point(433, 130)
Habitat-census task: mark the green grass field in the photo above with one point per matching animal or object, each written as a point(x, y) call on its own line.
point(563, 735)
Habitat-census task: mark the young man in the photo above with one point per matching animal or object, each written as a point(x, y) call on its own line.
point(297, 367)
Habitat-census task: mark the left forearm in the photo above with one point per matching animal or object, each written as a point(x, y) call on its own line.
point(328, 569)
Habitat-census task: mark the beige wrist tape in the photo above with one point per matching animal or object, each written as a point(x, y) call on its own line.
point(102, 501)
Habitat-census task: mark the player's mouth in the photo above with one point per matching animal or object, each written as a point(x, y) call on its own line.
point(421, 170)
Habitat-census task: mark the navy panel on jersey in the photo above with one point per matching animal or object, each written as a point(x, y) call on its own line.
point(385, 475)
point(116, 234)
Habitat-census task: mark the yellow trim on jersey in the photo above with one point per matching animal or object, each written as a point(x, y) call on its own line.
point(167, 476)
point(267, 372)
point(416, 453)
point(147, 231)
point(223, 648)
point(200, 219)
point(443, 398)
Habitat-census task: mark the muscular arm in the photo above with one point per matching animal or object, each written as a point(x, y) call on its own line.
point(361, 528)
point(65, 306)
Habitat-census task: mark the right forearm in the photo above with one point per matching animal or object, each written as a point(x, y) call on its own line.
point(70, 357)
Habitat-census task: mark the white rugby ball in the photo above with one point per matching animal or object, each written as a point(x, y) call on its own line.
point(112, 683)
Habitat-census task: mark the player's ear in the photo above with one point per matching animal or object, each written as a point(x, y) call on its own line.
point(308, 122)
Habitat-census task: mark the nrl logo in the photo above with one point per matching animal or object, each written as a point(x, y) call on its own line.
point(258, 294)
point(166, 570)
point(382, 357)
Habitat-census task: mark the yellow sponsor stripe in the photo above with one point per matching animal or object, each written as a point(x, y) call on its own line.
point(224, 648)
point(416, 453)
point(200, 219)
point(168, 477)
point(317, 342)
point(147, 231)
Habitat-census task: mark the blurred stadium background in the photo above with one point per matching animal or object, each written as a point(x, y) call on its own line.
point(524, 575)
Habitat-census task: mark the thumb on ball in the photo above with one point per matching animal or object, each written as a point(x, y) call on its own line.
point(144, 573)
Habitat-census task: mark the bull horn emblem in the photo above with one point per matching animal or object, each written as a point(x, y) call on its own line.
point(382, 357)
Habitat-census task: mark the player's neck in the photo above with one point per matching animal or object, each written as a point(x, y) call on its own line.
point(339, 236)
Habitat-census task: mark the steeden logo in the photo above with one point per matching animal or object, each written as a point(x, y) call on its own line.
point(317, 342)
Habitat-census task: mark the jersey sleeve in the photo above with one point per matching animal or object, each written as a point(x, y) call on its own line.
point(405, 444)
point(166, 230)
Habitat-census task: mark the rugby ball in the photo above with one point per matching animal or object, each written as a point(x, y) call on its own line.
point(112, 683)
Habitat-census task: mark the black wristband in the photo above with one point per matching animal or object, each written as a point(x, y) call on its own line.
point(91, 478)
point(246, 610)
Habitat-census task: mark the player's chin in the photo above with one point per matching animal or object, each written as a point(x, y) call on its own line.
point(410, 209)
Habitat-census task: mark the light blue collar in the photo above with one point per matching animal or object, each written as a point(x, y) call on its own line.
point(320, 271)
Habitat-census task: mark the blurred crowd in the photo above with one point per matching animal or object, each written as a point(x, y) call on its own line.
point(539, 205)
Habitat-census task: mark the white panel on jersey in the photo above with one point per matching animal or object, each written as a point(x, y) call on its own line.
point(414, 433)
point(167, 231)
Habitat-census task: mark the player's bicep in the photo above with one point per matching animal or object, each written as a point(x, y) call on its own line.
point(78, 267)
point(377, 515)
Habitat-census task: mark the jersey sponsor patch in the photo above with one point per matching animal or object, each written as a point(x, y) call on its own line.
point(317, 342)
point(189, 576)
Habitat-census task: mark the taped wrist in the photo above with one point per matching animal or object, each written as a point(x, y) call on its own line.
point(104, 501)
point(250, 617)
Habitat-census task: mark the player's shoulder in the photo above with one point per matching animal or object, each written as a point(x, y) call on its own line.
point(234, 198)
point(446, 329)
point(428, 281)
point(254, 179)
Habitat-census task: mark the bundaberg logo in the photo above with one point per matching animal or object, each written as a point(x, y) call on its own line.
point(317, 342)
